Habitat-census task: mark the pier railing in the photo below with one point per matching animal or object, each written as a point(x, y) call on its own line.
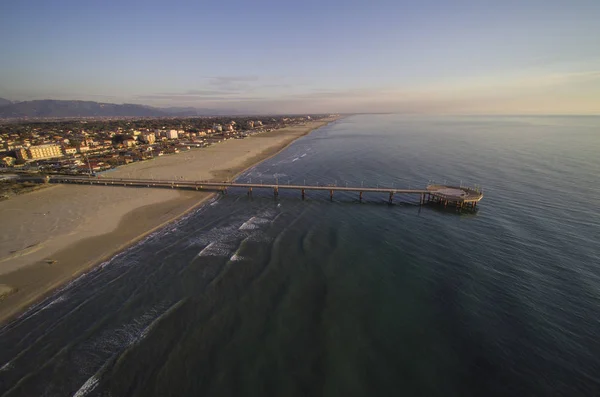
point(453, 195)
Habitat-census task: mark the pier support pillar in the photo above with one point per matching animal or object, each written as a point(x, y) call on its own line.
point(302, 194)
point(331, 195)
point(250, 191)
point(360, 196)
point(275, 191)
point(391, 199)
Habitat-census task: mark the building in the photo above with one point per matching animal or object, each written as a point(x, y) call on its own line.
point(172, 134)
point(8, 161)
point(217, 128)
point(69, 150)
point(148, 137)
point(249, 124)
point(22, 154)
point(11, 145)
point(47, 151)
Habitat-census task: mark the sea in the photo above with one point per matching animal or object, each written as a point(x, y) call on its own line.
point(264, 296)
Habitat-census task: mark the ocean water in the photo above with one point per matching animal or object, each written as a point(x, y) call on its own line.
point(263, 297)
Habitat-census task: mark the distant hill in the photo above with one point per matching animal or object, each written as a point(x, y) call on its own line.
point(57, 108)
point(4, 102)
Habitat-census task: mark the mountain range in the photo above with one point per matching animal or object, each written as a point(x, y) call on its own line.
point(52, 108)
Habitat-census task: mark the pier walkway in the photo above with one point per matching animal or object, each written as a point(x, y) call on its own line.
point(458, 196)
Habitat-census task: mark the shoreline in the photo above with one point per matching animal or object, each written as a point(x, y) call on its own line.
point(31, 284)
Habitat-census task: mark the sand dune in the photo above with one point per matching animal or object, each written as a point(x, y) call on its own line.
point(51, 235)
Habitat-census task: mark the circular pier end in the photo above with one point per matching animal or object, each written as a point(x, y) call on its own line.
point(457, 195)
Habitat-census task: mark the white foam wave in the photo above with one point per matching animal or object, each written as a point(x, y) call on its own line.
point(296, 159)
point(61, 298)
point(115, 340)
point(248, 226)
point(223, 241)
point(254, 222)
point(49, 302)
point(6, 366)
point(201, 253)
point(217, 248)
point(87, 387)
point(303, 155)
point(236, 258)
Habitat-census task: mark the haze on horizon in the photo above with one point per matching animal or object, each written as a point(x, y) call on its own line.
point(462, 57)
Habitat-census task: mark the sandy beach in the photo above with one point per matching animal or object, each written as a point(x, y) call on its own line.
point(54, 234)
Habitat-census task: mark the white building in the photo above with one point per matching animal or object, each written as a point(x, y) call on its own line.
point(69, 150)
point(148, 137)
point(172, 134)
point(217, 128)
point(46, 151)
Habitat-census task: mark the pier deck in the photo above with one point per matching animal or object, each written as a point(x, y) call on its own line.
point(458, 196)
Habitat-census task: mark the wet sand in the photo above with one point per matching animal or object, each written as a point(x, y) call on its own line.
point(52, 235)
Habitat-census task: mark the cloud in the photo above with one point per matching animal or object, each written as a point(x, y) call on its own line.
point(335, 94)
point(223, 88)
point(233, 83)
point(191, 94)
point(196, 98)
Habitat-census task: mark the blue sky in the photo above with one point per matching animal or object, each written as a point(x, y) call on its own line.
point(436, 56)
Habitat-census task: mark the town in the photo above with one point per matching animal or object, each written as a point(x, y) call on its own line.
point(89, 146)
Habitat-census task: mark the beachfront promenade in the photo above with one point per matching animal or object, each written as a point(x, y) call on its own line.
point(458, 196)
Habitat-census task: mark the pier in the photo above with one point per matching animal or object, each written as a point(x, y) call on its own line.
point(447, 196)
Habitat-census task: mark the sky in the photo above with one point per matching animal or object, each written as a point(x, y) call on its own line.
point(254, 56)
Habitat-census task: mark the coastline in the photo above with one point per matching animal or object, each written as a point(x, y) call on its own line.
point(42, 270)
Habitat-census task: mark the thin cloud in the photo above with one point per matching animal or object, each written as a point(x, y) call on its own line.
point(190, 94)
point(196, 98)
point(223, 88)
point(233, 83)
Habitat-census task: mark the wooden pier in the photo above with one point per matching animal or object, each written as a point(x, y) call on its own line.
point(453, 196)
